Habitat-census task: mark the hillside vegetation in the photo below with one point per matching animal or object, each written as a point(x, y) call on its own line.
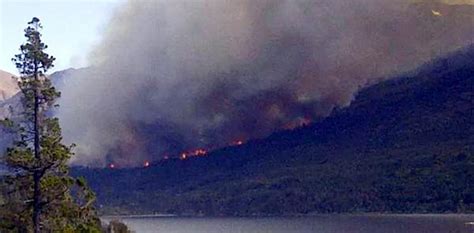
point(403, 145)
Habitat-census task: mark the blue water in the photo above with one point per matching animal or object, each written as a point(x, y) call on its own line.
point(313, 224)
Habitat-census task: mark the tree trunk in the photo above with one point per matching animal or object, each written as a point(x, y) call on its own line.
point(36, 203)
point(37, 174)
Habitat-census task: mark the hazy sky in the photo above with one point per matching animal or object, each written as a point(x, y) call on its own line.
point(70, 27)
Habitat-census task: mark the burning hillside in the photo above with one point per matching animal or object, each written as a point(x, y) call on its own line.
point(169, 76)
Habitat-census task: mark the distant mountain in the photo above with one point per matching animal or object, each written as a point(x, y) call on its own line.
point(404, 145)
point(8, 86)
point(8, 90)
point(10, 98)
point(59, 78)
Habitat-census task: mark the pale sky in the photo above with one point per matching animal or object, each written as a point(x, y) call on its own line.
point(71, 28)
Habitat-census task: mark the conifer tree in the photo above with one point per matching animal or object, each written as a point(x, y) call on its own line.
point(38, 193)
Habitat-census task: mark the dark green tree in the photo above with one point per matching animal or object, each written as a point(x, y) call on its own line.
point(38, 193)
point(116, 226)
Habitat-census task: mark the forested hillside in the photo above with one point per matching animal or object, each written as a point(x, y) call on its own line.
point(403, 145)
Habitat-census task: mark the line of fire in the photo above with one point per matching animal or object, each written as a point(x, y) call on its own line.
point(200, 152)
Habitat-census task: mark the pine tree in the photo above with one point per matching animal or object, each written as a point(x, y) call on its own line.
point(38, 194)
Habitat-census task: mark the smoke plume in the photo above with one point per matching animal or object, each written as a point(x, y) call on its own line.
point(174, 75)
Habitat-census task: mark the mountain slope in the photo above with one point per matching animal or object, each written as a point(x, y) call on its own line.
point(8, 87)
point(8, 100)
point(404, 145)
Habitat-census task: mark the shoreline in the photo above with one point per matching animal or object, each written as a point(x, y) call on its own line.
point(431, 215)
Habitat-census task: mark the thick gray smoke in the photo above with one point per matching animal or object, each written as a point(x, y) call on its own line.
point(174, 75)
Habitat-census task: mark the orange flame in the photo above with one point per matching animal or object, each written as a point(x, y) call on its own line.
point(199, 152)
point(436, 13)
point(237, 143)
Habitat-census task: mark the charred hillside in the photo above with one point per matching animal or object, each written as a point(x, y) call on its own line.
point(403, 145)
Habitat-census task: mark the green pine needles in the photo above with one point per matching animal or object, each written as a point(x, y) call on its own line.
point(37, 194)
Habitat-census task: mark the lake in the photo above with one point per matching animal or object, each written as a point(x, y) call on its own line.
point(312, 224)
